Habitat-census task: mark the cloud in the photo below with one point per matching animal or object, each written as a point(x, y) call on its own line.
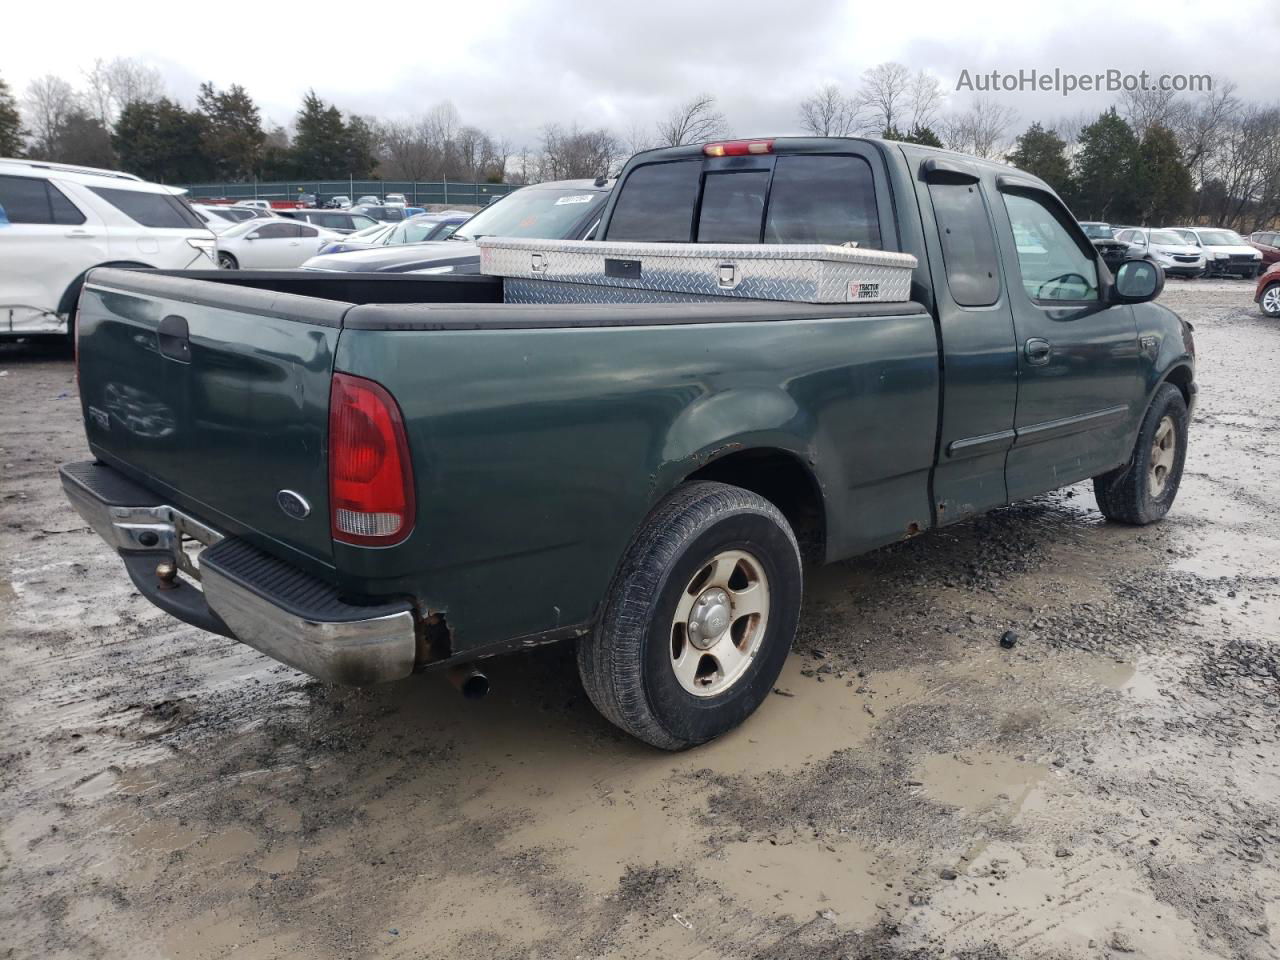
point(514, 67)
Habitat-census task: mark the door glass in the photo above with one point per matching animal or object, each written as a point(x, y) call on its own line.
point(25, 200)
point(1052, 264)
point(277, 231)
point(968, 246)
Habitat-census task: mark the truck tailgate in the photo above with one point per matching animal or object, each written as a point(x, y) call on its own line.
point(215, 395)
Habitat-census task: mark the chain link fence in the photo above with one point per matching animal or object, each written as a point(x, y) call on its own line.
point(418, 193)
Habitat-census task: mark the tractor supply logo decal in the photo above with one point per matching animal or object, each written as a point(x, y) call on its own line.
point(863, 290)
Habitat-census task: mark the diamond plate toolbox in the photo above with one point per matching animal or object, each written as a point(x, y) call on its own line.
point(623, 272)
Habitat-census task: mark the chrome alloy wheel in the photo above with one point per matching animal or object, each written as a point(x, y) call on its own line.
point(1271, 301)
point(719, 623)
point(1164, 448)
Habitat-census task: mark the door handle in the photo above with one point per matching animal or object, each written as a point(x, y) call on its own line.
point(1037, 351)
point(79, 234)
point(174, 338)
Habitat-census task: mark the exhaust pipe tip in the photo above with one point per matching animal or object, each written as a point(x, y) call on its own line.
point(470, 681)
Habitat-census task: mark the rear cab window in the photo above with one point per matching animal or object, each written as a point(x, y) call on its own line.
point(819, 198)
point(159, 210)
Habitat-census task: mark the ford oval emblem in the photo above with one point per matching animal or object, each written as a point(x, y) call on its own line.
point(293, 504)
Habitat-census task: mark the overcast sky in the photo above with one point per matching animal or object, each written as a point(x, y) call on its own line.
point(511, 67)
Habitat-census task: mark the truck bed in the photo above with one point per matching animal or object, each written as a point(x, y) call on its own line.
point(540, 435)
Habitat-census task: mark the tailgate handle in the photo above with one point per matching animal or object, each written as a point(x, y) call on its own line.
point(174, 338)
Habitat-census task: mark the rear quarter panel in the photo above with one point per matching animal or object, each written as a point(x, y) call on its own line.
point(538, 453)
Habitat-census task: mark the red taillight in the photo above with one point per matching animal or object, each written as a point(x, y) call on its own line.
point(738, 148)
point(370, 476)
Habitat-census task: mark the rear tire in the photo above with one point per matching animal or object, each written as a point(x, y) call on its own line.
point(699, 619)
point(1143, 489)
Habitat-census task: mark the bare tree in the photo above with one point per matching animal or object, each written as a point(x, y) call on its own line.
point(695, 121)
point(638, 139)
point(924, 99)
point(1071, 126)
point(1244, 170)
point(48, 103)
point(885, 94)
point(1199, 125)
point(982, 130)
point(1144, 109)
point(829, 113)
point(113, 84)
point(574, 154)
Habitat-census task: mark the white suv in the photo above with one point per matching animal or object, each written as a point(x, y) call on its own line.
point(57, 222)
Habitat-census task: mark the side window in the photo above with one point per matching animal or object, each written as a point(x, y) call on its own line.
point(823, 199)
point(276, 231)
point(656, 203)
point(64, 211)
point(732, 207)
point(308, 232)
point(968, 245)
point(1053, 266)
point(150, 209)
point(29, 200)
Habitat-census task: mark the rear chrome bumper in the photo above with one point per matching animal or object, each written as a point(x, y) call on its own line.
point(244, 593)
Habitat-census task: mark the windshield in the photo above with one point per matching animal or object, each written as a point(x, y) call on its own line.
point(549, 213)
point(370, 234)
point(416, 231)
point(1168, 238)
point(1221, 238)
point(1097, 231)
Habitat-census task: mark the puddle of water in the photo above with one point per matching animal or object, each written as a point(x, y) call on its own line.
point(600, 811)
point(802, 879)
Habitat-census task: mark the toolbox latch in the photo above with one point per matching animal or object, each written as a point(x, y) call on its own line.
point(727, 276)
point(537, 263)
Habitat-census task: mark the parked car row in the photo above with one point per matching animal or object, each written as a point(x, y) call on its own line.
point(560, 209)
point(1185, 251)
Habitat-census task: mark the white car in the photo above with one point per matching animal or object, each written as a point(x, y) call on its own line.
point(276, 244)
point(1165, 247)
point(1225, 251)
point(256, 204)
point(396, 200)
point(220, 218)
point(57, 222)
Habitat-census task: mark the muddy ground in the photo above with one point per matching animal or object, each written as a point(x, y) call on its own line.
point(1108, 787)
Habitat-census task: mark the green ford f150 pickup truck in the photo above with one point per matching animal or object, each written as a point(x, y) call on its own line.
point(385, 473)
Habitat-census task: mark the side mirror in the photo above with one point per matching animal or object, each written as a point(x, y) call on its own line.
point(1137, 281)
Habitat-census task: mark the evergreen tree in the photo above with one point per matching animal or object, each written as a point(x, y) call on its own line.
point(1043, 153)
point(11, 132)
point(321, 147)
point(233, 136)
point(82, 139)
point(1106, 169)
point(1164, 185)
point(922, 135)
point(161, 141)
point(361, 142)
